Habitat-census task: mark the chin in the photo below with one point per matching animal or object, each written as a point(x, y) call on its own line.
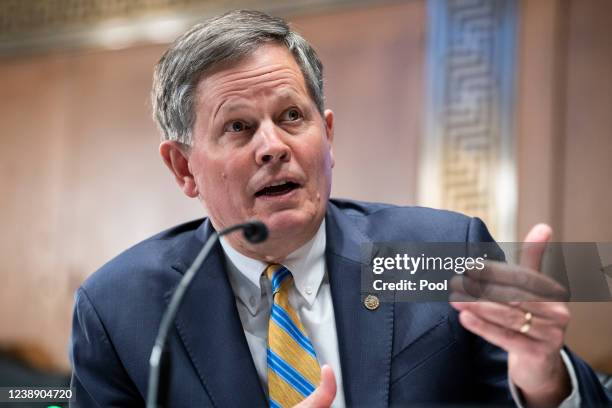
point(290, 223)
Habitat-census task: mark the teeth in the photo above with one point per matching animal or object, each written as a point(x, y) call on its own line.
point(278, 183)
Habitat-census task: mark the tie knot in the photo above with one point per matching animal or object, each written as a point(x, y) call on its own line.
point(277, 275)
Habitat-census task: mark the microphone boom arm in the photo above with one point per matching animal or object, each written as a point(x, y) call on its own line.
point(257, 232)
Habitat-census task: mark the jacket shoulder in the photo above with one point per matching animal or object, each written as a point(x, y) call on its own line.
point(387, 222)
point(149, 262)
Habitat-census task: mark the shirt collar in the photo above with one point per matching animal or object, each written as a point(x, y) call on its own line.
point(307, 265)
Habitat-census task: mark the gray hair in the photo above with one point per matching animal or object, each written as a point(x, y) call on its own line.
point(221, 40)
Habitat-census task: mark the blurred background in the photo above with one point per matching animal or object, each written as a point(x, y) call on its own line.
point(500, 109)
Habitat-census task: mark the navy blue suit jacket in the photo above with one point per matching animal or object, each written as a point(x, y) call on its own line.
point(397, 355)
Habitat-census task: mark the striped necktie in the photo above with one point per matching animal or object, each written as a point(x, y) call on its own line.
point(293, 370)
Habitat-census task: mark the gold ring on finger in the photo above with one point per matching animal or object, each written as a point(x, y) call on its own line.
point(527, 323)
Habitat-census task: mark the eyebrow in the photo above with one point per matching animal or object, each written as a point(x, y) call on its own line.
point(287, 94)
point(229, 107)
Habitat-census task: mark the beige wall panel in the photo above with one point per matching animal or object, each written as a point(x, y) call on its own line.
point(587, 213)
point(565, 140)
point(82, 181)
point(33, 135)
point(587, 189)
point(120, 191)
point(539, 134)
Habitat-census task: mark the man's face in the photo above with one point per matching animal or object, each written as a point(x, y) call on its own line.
point(261, 148)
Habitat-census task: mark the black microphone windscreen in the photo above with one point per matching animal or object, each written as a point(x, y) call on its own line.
point(255, 232)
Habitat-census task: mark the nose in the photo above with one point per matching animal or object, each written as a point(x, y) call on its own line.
point(271, 148)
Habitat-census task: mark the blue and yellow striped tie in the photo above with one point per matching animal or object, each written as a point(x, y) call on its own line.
point(293, 370)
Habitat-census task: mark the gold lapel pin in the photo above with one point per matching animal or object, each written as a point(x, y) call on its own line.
point(371, 302)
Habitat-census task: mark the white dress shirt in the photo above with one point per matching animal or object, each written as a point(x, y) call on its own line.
point(311, 298)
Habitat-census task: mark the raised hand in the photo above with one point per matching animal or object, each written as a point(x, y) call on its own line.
point(526, 318)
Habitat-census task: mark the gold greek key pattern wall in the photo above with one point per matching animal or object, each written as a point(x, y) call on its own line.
point(468, 161)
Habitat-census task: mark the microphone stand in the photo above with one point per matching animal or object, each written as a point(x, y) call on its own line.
point(254, 232)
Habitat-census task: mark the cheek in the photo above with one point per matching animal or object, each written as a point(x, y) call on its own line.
point(225, 180)
point(324, 160)
point(318, 168)
point(210, 179)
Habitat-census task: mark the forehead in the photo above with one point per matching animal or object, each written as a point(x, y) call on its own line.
point(270, 68)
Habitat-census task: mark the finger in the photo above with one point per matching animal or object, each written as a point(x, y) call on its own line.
point(492, 291)
point(324, 394)
point(509, 317)
point(489, 291)
point(525, 279)
point(534, 246)
point(555, 311)
point(510, 340)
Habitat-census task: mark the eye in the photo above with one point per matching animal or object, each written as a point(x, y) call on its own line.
point(292, 115)
point(236, 126)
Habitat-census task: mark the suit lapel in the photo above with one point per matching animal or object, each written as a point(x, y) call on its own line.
point(365, 337)
point(209, 326)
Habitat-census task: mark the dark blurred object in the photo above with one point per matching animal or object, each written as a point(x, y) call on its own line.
point(18, 369)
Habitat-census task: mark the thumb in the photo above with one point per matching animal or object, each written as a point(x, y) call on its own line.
point(324, 394)
point(534, 246)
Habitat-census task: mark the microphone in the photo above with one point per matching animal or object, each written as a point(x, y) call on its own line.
point(253, 231)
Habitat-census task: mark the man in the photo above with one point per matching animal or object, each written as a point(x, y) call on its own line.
point(239, 101)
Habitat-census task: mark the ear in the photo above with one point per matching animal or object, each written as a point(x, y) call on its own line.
point(329, 129)
point(176, 158)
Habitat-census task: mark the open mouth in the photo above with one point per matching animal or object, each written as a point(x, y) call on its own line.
point(277, 189)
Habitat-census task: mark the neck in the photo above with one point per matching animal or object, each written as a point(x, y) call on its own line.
point(276, 248)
